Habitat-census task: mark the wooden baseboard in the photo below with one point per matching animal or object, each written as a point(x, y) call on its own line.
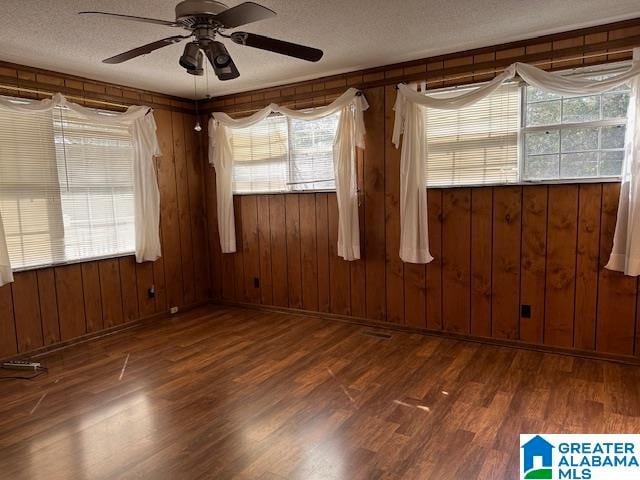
point(611, 357)
point(38, 352)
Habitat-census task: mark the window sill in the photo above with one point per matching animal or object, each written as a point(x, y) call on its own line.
point(72, 262)
point(283, 192)
point(571, 181)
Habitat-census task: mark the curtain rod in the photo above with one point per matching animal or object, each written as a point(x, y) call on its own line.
point(540, 62)
point(71, 97)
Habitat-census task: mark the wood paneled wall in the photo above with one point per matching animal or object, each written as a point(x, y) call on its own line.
point(495, 249)
point(48, 306)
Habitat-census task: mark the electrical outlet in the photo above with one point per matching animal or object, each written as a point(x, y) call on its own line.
point(256, 282)
point(173, 310)
point(525, 311)
point(152, 291)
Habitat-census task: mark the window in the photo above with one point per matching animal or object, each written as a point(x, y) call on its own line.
point(476, 144)
point(260, 156)
point(571, 137)
point(521, 133)
point(281, 155)
point(66, 188)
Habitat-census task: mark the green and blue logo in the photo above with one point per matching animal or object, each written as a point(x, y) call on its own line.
point(579, 457)
point(537, 459)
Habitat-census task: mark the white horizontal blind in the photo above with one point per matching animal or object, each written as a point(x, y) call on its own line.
point(260, 156)
point(29, 188)
point(311, 153)
point(476, 144)
point(95, 170)
point(66, 188)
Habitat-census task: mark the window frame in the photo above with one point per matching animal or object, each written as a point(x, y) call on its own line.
point(522, 130)
point(75, 261)
point(288, 163)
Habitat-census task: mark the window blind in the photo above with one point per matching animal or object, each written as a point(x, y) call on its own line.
point(476, 144)
point(66, 188)
point(280, 155)
point(95, 171)
point(260, 156)
point(311, 153)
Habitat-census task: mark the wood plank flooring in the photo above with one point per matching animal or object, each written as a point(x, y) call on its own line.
point(226, 393)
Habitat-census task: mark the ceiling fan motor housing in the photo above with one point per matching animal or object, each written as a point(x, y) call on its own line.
point(190, 13)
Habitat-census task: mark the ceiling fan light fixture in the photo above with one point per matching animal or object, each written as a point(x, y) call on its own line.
point(221, 61)
point(189, 58)
point(219, 54)
point(199, 70)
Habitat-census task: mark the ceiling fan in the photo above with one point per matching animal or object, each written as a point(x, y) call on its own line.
point(207, 19)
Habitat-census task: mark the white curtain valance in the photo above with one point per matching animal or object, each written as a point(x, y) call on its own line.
point(142, 127)
point(409, 123)
point(350, 134)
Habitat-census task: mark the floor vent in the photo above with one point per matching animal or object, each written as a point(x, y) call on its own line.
point(369, 333)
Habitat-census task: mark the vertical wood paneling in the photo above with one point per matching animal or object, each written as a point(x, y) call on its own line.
point(481, 231)
point(264, 239)
point(48, 306)
point(339, 279)
point(533, 267)
point(70, 301)
point(456, 259)
point(322, 246)
point(309, 254)
point(374, 205)
point(111, 293)
point(294, 267)
point(251, 248)
point(8, 343)
point(240, 293)
point(434, 268)
point(505, 303)
point(92, 296)
point(195, 181)
point(184, 208)
point(615, 329)
point(169, 210)
point(561, 265)
point(144, 281)
point(279, 250)
point(129, 289)
point(588, 249)
point(394, 266)
point(26, 308)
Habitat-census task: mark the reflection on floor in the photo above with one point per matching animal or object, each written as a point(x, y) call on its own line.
point(231, 393)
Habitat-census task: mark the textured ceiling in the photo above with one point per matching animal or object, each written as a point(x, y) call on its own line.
point(354, 34)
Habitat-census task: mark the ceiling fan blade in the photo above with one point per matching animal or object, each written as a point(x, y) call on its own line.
point(278, 46)
point(144, 49)
point(134, 18)
point(247, 12)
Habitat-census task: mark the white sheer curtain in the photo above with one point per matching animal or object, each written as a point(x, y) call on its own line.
point(350, 135)
point(142, 127)
point(625, 255)
point(414, 242)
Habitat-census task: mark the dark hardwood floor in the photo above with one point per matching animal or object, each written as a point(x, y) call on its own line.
point(230, 393)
